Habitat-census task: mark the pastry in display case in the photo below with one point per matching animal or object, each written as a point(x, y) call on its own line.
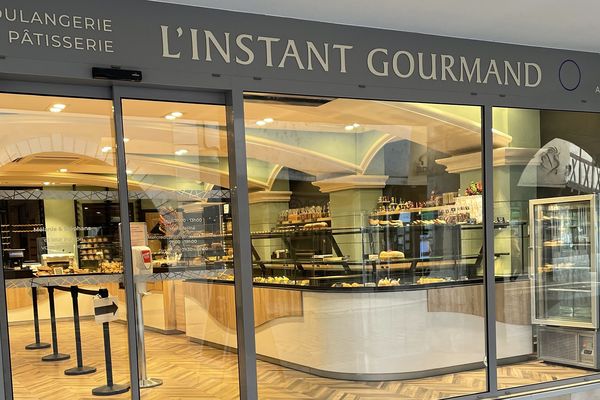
point(399, 243)
point(57, 264)
point(95, 250)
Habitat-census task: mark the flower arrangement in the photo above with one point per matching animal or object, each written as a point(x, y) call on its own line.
point(474, 189)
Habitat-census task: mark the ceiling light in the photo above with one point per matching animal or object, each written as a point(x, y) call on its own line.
point(181, 152)
point(170, 117)
point(55, 109)
point(46, 183)
point(268, 120)
point(355, 125)
point(128, 172)
point(177, 114)
point(349, 127)
point(63, 170)
point(125, 139)
point(106, 149)
point(86, 208)
point(60, 106)
point(261, 123)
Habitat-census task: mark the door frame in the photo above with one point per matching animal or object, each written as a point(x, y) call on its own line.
point(236, 144)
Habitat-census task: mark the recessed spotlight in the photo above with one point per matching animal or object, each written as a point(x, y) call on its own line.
point(125, 139)
point(177, 114)
point(63, 170)
point(86, 208)
point(261, 123)
point(181, 152)
point(268, 120)
point(98, 212)
point(46, 183)
point(170, 117)
point(106, 149)
point(349, 127)
point(55, 109)
point(60, 106)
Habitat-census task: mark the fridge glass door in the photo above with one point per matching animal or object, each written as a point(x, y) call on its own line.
point(562, 260)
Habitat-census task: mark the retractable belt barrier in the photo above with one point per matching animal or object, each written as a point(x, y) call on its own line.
point(38, 344)
point(55, 356)
point(110, 388)
point(80, 369)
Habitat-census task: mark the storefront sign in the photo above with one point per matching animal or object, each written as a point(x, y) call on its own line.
point(190, 45)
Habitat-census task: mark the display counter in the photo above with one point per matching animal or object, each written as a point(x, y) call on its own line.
point(367, 333)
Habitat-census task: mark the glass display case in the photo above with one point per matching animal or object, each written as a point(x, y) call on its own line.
point(564, 261)
point(563, 269)
point(415, 247)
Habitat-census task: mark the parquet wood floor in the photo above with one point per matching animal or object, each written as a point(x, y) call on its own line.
point(192, 371)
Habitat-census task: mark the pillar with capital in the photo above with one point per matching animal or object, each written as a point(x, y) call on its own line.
point(352, 198)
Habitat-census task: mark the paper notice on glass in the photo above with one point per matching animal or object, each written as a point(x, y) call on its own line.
point(139, 234)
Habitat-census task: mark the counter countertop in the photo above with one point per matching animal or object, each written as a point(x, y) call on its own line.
point(384, 289)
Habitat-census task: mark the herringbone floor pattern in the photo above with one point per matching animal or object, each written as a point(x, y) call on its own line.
point(192, 371)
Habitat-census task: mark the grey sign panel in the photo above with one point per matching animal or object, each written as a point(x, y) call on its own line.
point(190, 46)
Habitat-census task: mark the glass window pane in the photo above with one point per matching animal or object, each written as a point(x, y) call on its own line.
point(545, 210)
point(182, 247)
point(367, 238)
point(59, 219)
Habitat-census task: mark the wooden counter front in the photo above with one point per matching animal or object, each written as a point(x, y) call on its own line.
point(513, 301)
point(269, 304)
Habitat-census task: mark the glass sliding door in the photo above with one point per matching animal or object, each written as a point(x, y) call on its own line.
point(59, 223)
point(181, 231)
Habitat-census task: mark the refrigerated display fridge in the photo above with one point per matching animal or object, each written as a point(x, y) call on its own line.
point(564, 261)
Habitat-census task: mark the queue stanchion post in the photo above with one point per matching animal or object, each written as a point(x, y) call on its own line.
point(55, 356)
point(110, 388)
point(145, 381)
point(80, 369)
point(36, 324)
point(142, 268)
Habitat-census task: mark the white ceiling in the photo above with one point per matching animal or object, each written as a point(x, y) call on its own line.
point(548, 23)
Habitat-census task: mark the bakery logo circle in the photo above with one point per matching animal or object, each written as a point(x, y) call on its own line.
point(569, 75)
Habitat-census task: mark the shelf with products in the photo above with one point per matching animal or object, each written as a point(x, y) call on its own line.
point(22, 236)
point(98, 253)
point(304, 215)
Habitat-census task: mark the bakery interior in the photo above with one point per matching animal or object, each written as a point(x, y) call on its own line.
point(367, 242)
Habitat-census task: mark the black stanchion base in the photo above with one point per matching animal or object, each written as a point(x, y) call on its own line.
point(110, 390)
point(56, 357)
point(37, 346)
point(80, 370)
